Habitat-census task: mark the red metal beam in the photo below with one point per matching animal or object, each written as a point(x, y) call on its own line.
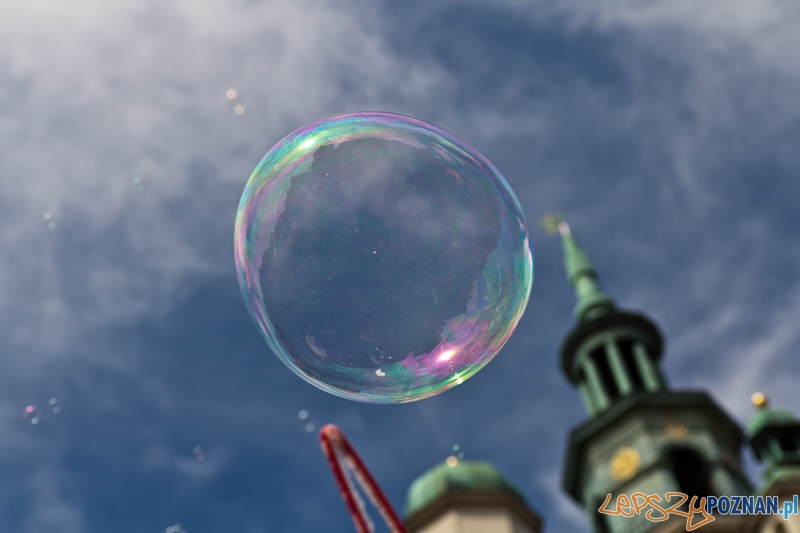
point(341, 455)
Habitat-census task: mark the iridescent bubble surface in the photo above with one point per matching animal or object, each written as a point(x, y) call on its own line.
point(382, 258)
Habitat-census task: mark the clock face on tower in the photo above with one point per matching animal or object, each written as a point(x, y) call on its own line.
point(625, 463)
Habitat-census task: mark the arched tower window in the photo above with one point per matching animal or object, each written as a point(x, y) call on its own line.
point(691, 472)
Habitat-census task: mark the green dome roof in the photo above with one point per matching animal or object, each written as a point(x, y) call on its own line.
point(466, 476)
point(769, 417)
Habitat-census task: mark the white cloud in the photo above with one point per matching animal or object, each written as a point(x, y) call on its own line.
point(98, 94)
point(51, 511)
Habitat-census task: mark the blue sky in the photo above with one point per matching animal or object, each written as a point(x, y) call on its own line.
point(666, 130)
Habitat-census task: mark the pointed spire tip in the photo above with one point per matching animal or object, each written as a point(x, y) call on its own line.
point(554, 223)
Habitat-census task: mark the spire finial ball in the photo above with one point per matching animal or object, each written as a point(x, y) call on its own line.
point(759, 400)
point(554, 223)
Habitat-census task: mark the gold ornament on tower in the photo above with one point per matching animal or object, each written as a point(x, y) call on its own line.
point(625, 463)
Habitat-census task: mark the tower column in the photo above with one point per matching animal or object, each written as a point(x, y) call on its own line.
point(649, 372)
point(775, 449)
point(618, 369)
point(595, 385)
point(723, 482)
point(586, 396)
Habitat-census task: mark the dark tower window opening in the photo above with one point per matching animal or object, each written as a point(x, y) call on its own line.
point(626, 350)
point(691, 472)
point(598, 356)
point(787, 440)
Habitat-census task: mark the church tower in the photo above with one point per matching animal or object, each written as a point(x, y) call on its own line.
point(775, 438)
point(640, 436)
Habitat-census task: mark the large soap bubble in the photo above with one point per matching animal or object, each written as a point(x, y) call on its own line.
point(382, 258)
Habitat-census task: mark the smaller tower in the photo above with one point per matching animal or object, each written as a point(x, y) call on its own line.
point(467, 497)
point(775, 439)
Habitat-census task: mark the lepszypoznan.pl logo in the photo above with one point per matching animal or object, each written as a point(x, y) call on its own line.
point(696, 515)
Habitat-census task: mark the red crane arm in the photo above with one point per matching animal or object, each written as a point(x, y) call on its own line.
point(341, 455)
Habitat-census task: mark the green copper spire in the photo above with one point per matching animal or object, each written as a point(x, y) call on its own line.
point(640, 435)
point(592, 301)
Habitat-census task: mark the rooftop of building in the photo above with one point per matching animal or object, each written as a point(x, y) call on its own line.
point(455, 475)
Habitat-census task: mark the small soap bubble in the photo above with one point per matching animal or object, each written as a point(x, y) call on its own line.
point(52, 225)
point(239, 109)
point(137, 181)
point(56, 409)
point(31, 414)
point(53, 401)
point(306, 421)
point(198, 453)
point(382, 258)
point(456, 447)
point(451, 461)
point(460, 455)
point(48, 215)
point(231, 94)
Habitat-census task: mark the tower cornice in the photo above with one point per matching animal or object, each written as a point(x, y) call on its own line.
point(666, 402)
